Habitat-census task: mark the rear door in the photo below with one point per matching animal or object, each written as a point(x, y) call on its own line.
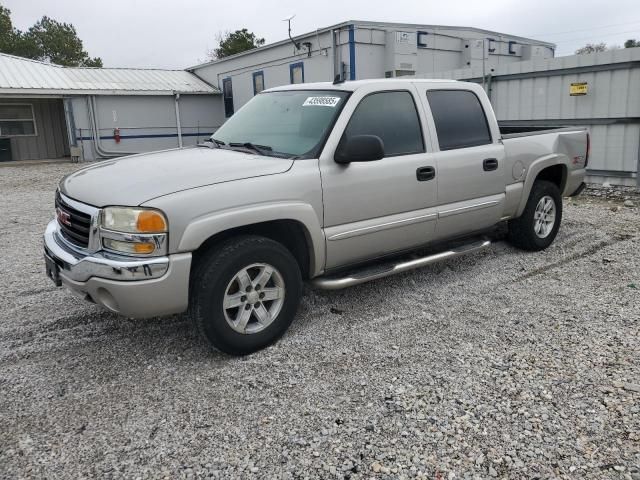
point(470, 161)
point(378, 207)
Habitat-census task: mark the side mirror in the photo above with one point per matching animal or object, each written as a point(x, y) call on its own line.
point(360, 148)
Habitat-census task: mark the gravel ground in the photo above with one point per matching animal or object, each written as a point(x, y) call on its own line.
point(503, 364)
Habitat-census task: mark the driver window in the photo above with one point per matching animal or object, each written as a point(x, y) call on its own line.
point(393, 117)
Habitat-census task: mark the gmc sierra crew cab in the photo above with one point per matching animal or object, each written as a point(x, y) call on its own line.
point(331, 183)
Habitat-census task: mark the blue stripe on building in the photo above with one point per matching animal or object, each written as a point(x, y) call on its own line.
point(352, 53)
point(159, 135)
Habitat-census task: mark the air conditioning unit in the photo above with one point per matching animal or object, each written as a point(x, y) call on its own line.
point(401, 54)
point(535, 52)
point(75, 154)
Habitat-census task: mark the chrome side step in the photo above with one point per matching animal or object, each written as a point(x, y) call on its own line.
point(373, 273)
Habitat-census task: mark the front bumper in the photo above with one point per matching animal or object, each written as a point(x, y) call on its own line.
point(134, 287)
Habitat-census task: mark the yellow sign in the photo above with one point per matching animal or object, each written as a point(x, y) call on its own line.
point(577, 89)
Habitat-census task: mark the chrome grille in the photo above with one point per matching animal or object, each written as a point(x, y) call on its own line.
point(74, 224)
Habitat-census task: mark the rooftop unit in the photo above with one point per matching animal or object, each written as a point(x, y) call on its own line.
point(401, 54)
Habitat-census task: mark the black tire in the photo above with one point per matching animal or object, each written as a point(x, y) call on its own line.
point(522, 232)
point(211, 278)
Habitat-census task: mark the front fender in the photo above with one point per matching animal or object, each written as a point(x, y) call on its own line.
point(202, 228)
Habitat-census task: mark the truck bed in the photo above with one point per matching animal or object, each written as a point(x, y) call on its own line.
point(527, 131)
point(534, 150)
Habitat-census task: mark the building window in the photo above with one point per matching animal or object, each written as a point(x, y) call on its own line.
point(296, 72)
point(227, 95)
point(16, 120)
point(258, 82)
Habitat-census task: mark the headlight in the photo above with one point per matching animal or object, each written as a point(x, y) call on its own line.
point(134, 220)
point(134, 231)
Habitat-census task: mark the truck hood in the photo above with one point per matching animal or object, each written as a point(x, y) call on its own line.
point(136, 179)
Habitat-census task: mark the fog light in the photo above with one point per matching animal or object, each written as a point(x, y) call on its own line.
point(129, 247)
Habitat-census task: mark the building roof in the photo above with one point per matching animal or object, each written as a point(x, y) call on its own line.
point(382, 25)
point(23, 76)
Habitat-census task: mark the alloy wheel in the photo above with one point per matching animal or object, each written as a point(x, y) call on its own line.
point(253, 298)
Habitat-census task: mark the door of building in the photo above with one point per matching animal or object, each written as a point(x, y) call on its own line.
point(227, 92)
point(5, 149)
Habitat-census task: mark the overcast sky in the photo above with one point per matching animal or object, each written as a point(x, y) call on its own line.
point(177, 34)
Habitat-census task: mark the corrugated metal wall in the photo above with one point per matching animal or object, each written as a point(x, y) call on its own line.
point(51, 140)
point(611, 110)
point(146, 122)
point(612, 94)
point(615, 148)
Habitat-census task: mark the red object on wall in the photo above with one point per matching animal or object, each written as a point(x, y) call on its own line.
point(116, 135)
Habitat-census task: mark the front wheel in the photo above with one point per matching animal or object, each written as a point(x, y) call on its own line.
point(538, 225)
point(244, 294)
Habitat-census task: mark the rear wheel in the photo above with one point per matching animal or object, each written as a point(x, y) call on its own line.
point(244, 294)
point(538, 225)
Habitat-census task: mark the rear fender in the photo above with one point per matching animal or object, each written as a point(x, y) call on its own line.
point(534, 170)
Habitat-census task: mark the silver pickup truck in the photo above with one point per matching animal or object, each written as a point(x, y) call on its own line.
point(336, 184)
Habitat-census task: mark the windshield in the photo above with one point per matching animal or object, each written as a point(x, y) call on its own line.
point(291, 123)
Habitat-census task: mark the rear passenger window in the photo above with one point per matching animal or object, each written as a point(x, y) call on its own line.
point(460, 119)
point(393, 117)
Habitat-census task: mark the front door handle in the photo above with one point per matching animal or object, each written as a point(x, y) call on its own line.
point(489, 164)
point(425, 173)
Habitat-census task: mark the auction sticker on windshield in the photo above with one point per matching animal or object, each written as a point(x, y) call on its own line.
point(321, 102)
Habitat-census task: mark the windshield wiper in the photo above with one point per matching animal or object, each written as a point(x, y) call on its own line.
point(212, 143)
point(260, 149)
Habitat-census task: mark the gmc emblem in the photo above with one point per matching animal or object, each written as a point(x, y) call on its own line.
point(63, 217)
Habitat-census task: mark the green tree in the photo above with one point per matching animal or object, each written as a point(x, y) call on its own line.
point(631, 43)
point(236, 42)
point(58, 43)
point(592, 48)
point(48, 40)
point(7, 32)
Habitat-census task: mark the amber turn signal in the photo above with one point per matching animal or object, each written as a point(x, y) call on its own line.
point(150, 222)
point(144, 247)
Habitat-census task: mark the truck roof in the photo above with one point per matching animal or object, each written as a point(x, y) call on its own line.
point(351, 86)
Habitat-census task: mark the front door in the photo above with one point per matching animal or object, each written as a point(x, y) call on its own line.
point(387, 205)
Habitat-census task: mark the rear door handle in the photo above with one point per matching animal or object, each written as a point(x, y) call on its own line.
point(489, 164)
point(425, 173)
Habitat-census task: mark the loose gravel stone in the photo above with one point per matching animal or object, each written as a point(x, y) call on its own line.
point(504, 364)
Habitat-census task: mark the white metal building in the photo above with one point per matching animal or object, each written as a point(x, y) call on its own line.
point(359, 50)
point(49, 112)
